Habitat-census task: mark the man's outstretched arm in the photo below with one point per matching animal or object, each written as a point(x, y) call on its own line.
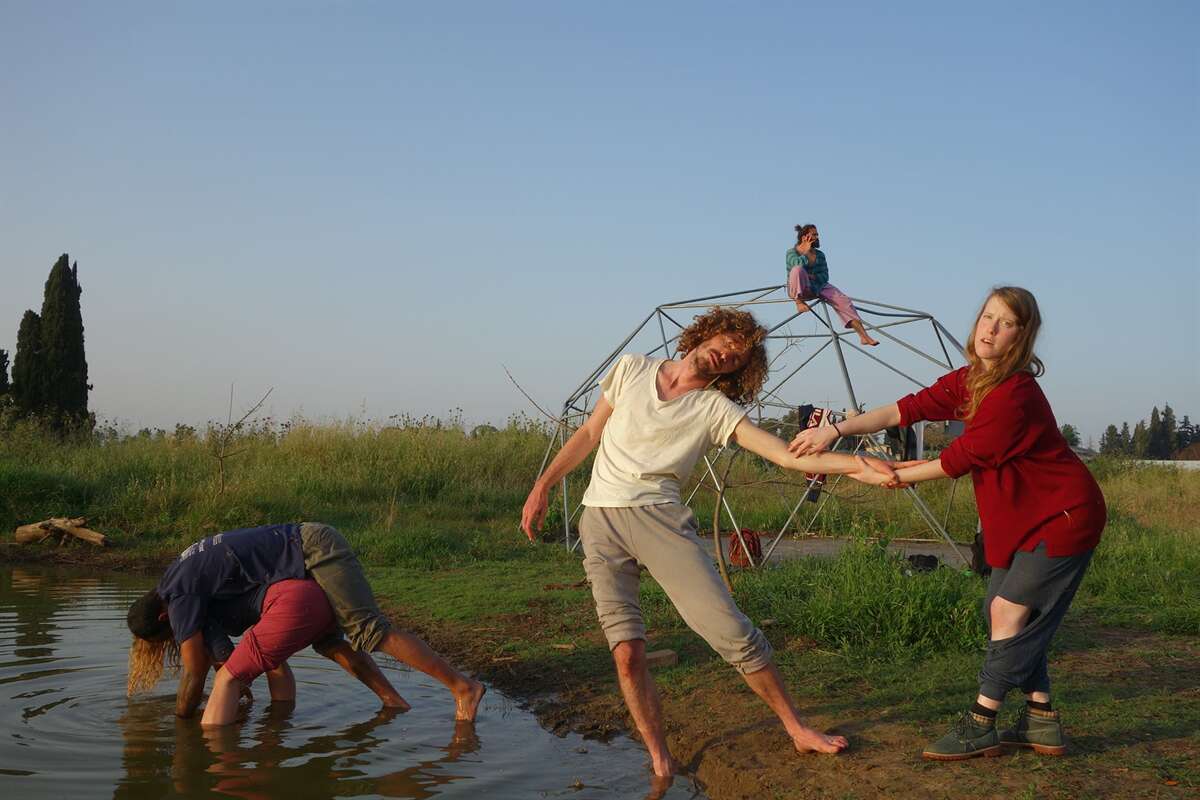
point(577, 448)
point(865, 469)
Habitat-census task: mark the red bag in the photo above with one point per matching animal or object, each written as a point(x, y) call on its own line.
point(737, 554)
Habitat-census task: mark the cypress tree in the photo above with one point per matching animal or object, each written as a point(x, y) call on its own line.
point(1126, 439)
point(64, 365)
point(27, 365)
point(4, 386)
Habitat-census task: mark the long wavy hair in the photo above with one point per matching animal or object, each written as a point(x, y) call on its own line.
point(147, 662)
point(743, 385)
point(1020, 356)
point(154, 648)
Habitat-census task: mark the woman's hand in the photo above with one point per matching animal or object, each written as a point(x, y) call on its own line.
point(877, 472)
point(813, 440)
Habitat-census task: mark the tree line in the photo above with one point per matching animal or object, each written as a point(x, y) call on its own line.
point(1163, 437)
point(49, 371)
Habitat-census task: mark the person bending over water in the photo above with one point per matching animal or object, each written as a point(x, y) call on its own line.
point(808, 279)
point(654, 420)
point(1041, 510)
point(219, 585)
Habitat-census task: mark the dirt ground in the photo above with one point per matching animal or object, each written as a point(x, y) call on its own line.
point(733, 747)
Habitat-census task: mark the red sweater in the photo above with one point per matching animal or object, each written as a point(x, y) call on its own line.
point(1029, 486)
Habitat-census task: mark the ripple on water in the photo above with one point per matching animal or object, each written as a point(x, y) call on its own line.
point(70, 731)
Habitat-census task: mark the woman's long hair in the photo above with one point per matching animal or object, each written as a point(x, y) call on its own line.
point(153, 645)
point(1020, 356)
point(147, 661)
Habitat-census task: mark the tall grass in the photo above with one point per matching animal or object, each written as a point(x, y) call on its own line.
point(428, 494)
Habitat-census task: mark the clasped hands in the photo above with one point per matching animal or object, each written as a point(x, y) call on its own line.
point(872, 470)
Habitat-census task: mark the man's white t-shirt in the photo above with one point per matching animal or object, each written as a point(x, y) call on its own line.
point(649, 446)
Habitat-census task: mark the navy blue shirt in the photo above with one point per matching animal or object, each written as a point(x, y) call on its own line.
point(227, 566)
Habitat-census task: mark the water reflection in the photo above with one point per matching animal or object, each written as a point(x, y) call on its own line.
point(67, 729)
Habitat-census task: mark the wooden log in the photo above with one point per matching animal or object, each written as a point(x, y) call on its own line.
point(59, 526)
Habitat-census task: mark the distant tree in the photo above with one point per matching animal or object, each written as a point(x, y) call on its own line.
point(1071, 434)
point(1110, 441)
point(1186, 434)
point(1170, 431)
point(4, 385)
point(1139, 441)
point(1156, 437)
point(64, 366)
point(27, 365)
point(1126, 440)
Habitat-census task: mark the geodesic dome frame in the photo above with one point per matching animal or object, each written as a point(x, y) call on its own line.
point(882, 319)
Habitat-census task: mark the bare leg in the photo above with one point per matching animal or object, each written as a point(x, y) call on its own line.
point(1008, 618)
point(863, 336)
point(413, 651)
point(641, 698)
point(768, 685)
point(282, 684)
point(364, 668)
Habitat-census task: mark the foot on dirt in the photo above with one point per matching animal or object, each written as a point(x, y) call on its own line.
point(1040, 731)
point(466, 705)
point(971, 737)
point(810, 741)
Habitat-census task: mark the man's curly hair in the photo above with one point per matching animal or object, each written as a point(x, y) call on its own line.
point(743, 385)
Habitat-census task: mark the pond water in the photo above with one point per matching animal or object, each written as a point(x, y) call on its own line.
point(67, 729)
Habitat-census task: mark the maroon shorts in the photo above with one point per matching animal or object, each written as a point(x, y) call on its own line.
point(295, 613)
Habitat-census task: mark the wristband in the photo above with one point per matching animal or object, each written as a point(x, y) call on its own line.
point(839, 430)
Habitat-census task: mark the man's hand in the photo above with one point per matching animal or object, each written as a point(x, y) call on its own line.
point(813, 440)
point(535, 510)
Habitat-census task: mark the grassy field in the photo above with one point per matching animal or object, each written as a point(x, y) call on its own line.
point(884, 654)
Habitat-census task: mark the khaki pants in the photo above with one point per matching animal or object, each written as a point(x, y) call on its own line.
point(662, 538)
point(333, 565)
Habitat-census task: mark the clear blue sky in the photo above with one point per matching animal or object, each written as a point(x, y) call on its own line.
point(376, 205)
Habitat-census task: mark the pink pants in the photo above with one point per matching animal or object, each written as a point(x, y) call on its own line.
point(798, 287)
point(295, 613)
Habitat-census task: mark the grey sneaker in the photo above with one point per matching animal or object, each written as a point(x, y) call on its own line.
point(1039, 730)
point(971, 737)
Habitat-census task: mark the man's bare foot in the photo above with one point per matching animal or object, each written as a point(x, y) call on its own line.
point(810, 741)
point(466, 705)
point(664, 768)
point(802, 306)
point(867, 340)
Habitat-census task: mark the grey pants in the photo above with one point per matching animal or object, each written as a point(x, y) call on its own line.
point(662, 538)
point(333, 565)
point(1046, 585)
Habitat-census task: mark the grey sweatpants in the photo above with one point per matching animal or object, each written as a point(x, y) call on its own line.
point(1046, 585)
point(333, 565)
point(662, 538)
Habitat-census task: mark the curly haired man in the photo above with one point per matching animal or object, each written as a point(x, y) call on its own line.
point(655, 419)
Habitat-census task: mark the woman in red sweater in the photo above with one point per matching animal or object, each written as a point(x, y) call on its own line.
point(1041, 510)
